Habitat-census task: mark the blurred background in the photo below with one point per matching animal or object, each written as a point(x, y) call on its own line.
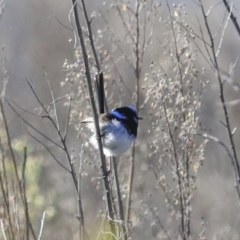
point(35, 38)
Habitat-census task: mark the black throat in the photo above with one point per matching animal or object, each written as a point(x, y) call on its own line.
point(131, 126)
point(131, 121)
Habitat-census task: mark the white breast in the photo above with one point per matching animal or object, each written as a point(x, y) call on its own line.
point(116, 139)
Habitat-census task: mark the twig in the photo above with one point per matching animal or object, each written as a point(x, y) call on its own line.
point(90, 35)
point(41, 228)
point(211, 63)
point(47, 148)
point(101, 229)
point(3, 230)
point(94, 111)
point(228, 77)
point(53, 99)
point(137, 68)
point(68, 117)
point(233, 18)
point(177, 168)
point(212, 7)
point(23, 109)
point(31, 126)
point(80, 208)
point(4, 168)
point(117, 44)
point(13, 159)
point(217, 140)
point(101, 102)
point(5, 193)
point(160, 223)
point(223, 33)
point(7, 206)
point(63, 24)
point(222, 98)
point(184, 232)
point(24, 192)
point(220, 26)
point(119, 197)
point(62, 138)
point(15, 209)
point(73, 27)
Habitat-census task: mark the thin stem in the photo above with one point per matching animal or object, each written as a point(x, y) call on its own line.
point(90, 35)
point(68, 118)
point(177, 168)
point(138, 61)
point(222, 98)
point(31, 126)
point(95, 115)
point(119, 197)
point(41, 228)
point(24, 192)
point(233, 18)
point(54, 102)
point(14, 160)
point(7, 206)
point(80, 208)
point(47, 148)
point(3, 230)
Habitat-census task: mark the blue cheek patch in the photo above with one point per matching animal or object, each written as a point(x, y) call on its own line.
point(118, 115)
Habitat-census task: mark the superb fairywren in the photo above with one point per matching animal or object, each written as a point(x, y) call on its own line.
point(118, 130)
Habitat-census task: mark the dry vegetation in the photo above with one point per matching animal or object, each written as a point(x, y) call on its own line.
point(174, 62)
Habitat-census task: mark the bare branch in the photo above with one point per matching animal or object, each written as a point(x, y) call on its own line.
point(41, 228)
point(53, 99)
point(223, 33)
point(24, 193)
point(45, 146)
point(217, 140)
point(79, 197)
point(90, 35)
point(13, 159)
point(3, 230)
point(222, 98)
point(68, 117)
point(31, 126)
point(63, 24)
point(94, 111)
point(233, 18)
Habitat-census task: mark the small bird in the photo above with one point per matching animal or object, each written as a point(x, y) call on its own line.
point(118, 130)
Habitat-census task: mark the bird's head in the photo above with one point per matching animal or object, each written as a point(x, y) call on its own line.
point(126, 113)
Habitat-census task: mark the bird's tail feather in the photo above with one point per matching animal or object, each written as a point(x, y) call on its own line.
point(88, 120)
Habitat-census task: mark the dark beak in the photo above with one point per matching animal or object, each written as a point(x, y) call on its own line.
point(139, 118)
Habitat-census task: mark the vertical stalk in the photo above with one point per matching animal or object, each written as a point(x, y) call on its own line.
point(137, 75)
point(95, 116)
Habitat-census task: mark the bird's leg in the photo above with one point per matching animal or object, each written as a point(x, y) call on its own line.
point(108, 168)
point(106, 174)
